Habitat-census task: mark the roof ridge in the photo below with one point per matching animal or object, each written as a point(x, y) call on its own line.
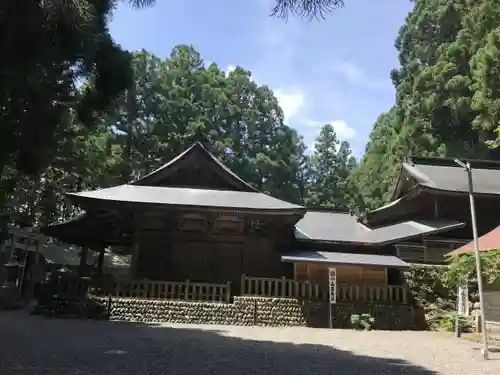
point(196, 146)
point(450, 162)
point(332, 210)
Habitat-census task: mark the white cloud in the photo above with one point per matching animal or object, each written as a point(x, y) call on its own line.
point(291, 102)
point(354, 74)
point(342, 128)
point(230, 68)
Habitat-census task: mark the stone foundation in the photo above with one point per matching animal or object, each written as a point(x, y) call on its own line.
point(275, 312)
point(261, 311)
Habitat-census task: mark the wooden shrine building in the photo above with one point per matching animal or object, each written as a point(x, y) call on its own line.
point(430, 189)
point(194, 219)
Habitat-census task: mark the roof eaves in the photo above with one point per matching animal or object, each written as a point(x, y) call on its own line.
point(397, 186)
point(410, 194)
point(438, 190)
point(427, 233)
point(418, 175)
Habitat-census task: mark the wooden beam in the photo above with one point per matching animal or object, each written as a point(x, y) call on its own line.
point(83, 261)
point(25, 261)
point(135, 249)
point(100, 261)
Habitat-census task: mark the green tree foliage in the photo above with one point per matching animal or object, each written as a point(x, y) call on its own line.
point(463, 267)
point(50, 47)
point(67, 43)
point(330, 165)
point(375, 175)
point(446, 92)
point(173, 103)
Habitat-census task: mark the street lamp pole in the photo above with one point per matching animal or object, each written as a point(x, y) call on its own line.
point(484, 334)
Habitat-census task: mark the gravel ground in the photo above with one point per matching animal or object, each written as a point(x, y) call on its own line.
point(42, 346)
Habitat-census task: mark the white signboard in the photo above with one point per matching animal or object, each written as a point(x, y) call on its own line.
point(332, 284)
point(463, 300)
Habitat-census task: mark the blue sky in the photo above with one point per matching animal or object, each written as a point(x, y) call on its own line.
point(332, 71)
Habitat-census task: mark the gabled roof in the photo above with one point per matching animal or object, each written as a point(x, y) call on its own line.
point(333, 227)
point(442, 174)
point(185, 159)
point(489, 241)
point(185, 197)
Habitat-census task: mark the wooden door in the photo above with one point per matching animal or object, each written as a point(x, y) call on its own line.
point(226, 262)
point(191, 261)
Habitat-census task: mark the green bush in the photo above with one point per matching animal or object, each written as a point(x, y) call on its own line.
point(362, 322)
point(446, 320)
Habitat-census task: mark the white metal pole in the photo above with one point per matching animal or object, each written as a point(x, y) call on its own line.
point(478, 262)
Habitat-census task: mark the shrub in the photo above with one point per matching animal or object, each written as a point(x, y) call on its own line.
point(362, 322)
point(446, 320)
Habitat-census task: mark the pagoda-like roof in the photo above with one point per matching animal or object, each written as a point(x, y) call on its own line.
point(166, 187)
point(435, 175)
point(445, 175)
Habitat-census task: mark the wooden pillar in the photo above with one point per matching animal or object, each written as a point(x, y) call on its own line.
point(100, 261)
point(24, 264)
point(13, 243)
point(83, 261)
point(134, 260)
point(37, 251)
point(135, 249)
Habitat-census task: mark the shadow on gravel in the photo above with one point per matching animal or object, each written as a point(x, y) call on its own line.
point(33, 345)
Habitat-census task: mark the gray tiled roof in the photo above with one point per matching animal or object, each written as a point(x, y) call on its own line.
point(346, 259)
point(444, 174)
point(187, 197)
point(329, 226)
point(345, 228)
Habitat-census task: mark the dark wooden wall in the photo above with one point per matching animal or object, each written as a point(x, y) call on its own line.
point(179, 246)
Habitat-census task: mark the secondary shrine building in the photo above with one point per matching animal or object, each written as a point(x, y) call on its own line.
point(194, 219)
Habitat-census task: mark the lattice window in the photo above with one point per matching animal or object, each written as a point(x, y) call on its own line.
point(193, 222)
point(232, 224)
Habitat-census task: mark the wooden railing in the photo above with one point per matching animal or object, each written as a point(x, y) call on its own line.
point(250, 286)
point(269, 287)
point(172, 290)
point(371, 293)
point(160, 290)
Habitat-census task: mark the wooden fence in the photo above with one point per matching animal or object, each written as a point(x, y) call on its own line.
point(371, 293)
point(172, 290)
point(250, 286)
point(160, 290)
point(286, 288)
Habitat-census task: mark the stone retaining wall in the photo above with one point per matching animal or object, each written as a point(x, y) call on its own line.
point(261, 311)
point(276, 312)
